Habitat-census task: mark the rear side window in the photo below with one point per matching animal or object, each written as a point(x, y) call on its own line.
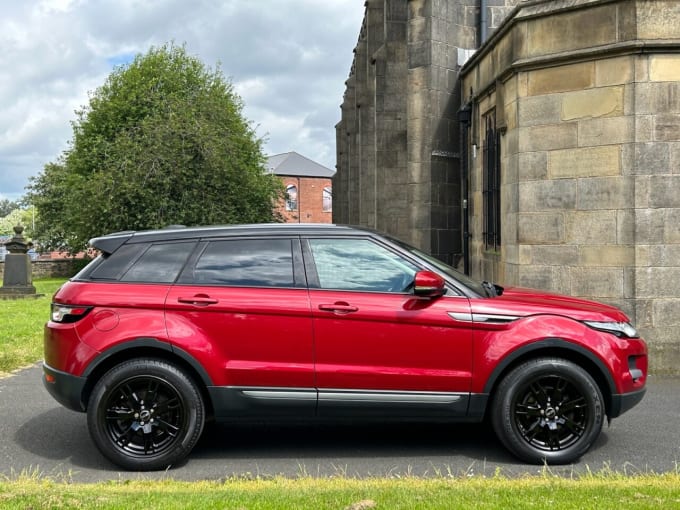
point(161, 263)
point(246, 263)
point(115, 264)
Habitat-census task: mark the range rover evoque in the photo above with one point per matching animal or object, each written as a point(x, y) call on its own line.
point(166, 329)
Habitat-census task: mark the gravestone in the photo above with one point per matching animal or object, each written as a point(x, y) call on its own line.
point(17, 281)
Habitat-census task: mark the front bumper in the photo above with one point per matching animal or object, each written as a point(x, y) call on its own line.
point(67, 389)
point(621, 403)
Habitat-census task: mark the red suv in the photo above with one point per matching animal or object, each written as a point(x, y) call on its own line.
point(169, 328)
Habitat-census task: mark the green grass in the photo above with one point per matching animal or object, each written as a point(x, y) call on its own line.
point(594, 491)
point(21, 327)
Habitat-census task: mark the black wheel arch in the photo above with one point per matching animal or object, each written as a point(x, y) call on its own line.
point(560, 348)
point(147, 348)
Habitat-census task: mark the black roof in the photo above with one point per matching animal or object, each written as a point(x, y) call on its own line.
point(111, 242)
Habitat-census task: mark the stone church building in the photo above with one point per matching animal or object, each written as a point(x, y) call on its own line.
point(532, 143)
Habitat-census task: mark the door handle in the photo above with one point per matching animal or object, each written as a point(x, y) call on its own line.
point(198, 300)
point(338, 308)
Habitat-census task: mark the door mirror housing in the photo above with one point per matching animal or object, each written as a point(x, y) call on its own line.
point(428, 284)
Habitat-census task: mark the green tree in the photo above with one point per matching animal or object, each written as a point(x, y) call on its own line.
point(16, 217)
point(163, 141)
point(7, 206)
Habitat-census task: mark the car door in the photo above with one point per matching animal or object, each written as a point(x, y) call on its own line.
point(241, 307)
point(379, 349)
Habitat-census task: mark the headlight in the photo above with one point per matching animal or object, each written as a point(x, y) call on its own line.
point(620, 329)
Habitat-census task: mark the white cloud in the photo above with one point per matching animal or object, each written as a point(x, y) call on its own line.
point(288, 59)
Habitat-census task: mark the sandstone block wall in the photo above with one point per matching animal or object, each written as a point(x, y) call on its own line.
point(590, 157)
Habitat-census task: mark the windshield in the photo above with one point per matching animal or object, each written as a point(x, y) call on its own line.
point(465, 280)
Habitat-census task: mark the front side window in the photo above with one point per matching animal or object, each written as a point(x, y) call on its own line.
point(360, 265)
point(291, 198)
point(246, 263)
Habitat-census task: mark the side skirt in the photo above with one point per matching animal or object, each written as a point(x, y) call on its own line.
point(262, 403)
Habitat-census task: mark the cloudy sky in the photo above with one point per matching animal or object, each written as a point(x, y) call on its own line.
point(288, 60)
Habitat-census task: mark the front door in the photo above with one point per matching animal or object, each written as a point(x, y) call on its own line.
point(378, 348)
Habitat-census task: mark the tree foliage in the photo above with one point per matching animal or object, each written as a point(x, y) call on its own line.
point(16, 217)
point(163, 141)
point(7, 206)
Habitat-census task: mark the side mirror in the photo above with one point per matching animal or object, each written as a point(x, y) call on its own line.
point(428, 284)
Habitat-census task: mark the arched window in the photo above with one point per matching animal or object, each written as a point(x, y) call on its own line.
point(327, 200)
point(291, 198)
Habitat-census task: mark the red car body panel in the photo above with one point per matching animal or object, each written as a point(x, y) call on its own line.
point(248, 337)
point(391, 342)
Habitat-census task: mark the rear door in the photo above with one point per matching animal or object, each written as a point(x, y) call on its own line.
point(241, 307)
point(378, 348)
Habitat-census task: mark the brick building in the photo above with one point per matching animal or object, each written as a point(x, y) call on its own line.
point(309, 190)
point(533, 143)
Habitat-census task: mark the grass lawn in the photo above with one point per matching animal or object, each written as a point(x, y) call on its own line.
point(594, 491)
point(21, 327)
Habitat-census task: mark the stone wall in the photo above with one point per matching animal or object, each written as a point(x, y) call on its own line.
point(398, 166)
point(61, 268)
point(589, 92)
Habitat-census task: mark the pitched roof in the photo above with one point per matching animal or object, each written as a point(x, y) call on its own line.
point(292, 163)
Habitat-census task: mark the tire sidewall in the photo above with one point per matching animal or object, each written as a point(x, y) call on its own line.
point(511, 388)
point(193, 413)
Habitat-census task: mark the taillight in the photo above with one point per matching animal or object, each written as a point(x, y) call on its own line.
point(68, 313)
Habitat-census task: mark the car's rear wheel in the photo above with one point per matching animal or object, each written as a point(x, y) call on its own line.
point(548, 410)
point(145, 414)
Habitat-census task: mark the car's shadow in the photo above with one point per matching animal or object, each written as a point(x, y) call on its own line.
point(348, 440)
point(61, 436)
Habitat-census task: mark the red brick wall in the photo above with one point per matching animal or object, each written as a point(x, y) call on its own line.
point(310, 200)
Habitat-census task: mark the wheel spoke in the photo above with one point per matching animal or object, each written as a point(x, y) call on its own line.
point(527, 410)
point(172, 430)
point(577, 403)
point(574, 427)
point(167, 406)
point(119, 413)
point(539, 392)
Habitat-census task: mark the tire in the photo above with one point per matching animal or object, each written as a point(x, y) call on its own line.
point(145, 415)
point(548, 410)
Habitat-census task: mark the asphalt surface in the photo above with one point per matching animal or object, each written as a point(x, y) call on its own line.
point(41, 437)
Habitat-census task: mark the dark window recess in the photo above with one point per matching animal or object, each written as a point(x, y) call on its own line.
point(246, 263)
point(161, 263)
point(491, 186)
point(114, 266)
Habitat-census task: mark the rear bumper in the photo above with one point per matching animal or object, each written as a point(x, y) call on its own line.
point(67, 389)
point(623, 402)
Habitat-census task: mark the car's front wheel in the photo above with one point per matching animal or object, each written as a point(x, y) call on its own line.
point(548, 410)
point(145, 414)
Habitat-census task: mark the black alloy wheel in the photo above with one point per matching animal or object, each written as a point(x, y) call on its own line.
point(145, 415)
point(548, 410)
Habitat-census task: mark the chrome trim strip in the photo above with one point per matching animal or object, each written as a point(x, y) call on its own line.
point(388, 396)
point(495, 319)
point(278, 394)
point(460, 317)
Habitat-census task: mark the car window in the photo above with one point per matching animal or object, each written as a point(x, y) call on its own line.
point(361, 265)
point(161, 263)
point(114, 265)
point(246, 263)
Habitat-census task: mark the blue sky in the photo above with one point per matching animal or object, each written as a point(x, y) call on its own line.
point(288, 59)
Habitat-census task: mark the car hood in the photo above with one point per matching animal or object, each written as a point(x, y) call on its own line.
point(521, 302)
